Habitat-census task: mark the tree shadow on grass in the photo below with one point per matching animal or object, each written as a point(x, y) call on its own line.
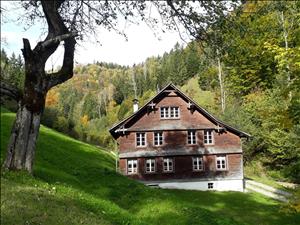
point(61, 160)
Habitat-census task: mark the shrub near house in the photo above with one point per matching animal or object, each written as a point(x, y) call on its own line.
point(173, 142)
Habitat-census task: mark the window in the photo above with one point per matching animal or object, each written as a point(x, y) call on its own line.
point(164, 112)
point(131, 166)
point(208, 137)
point(174, 112)
point(158, 138)
point(197, 163)
point(191, 137)
point(140, 139)
point(221, 162)
point(210, 185)
point(168, 165)
point(150, 165)
point(169, 112)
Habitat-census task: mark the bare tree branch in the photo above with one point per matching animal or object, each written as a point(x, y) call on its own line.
point(66, 72)
point(58, 39)
point(10, 91)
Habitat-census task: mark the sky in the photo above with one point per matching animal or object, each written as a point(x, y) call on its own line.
point(141, 44)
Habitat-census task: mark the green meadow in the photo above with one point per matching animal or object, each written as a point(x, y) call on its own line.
point(76, 183)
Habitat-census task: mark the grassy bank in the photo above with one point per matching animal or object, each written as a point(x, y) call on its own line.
point(75, 183)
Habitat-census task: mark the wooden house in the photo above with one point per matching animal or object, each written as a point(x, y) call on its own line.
point(173, 142)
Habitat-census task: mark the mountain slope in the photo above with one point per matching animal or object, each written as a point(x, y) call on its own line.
point(76, 183)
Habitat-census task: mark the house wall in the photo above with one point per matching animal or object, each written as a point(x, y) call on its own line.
point(175, 130)
point(175, 140)
point(178, 139)
point(183, 169)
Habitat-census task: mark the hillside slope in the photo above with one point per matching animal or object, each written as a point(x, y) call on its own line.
point(76, 183)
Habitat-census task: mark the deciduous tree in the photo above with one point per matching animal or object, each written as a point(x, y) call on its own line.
point(70, 21)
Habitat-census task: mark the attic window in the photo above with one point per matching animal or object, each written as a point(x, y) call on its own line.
point(171, 112)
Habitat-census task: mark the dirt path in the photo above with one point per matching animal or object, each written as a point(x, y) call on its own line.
point(267, 190)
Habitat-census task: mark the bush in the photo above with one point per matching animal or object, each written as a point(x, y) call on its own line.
point(61, 124)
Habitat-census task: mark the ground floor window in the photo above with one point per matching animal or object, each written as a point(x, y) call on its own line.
point(168, 165)
point(221, 162)
point(210, 185)
point(197, 163)
point(132, 166)
point(150, 165)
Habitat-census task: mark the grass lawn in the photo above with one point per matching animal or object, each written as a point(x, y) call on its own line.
point(76, 183)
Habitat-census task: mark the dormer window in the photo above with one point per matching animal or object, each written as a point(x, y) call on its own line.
point(170, 112)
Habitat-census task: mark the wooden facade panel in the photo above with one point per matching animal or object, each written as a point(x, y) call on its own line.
point(183, 169)
point(123, 166)
point(178, 139)
point(227, 140)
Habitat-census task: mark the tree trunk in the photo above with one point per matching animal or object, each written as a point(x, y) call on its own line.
point(21, 147)
point(220, 76)
point(286, 44)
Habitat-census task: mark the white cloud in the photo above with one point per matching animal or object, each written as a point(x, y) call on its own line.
point(114, 48)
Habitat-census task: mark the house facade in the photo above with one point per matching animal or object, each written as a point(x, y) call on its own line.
point(173, 142)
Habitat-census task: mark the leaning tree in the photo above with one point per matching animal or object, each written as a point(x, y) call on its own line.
point(69, 22)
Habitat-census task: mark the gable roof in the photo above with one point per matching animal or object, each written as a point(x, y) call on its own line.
point(171, 86)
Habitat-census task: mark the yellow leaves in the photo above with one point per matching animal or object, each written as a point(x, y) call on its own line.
point(285, 57)
point(52, 98)
point(84, 120)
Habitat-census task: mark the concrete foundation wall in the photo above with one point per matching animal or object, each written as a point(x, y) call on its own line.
point(218, 185)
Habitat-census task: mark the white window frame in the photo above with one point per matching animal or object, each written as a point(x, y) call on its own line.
point(174, 110)
point(151, 168)
point(139, 138)
point(159, 136)
point(222, 161)
point(130, 166)
point(169, 112)
point(199, 163)
point(192, 136)
point(164, 112)
point(168, 168)
point(208, 137)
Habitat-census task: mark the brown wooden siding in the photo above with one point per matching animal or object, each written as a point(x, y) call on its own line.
point(183, 168)
point(178, 139)
point(175, 139)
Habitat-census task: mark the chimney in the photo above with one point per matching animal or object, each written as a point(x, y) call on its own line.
point(135, 105)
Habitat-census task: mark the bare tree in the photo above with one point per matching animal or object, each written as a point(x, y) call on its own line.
point(70, 21)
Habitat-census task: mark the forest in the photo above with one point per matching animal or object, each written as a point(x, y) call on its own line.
point(247, 73)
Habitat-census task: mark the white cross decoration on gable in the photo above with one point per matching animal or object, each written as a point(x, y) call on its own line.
point(152, 105)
